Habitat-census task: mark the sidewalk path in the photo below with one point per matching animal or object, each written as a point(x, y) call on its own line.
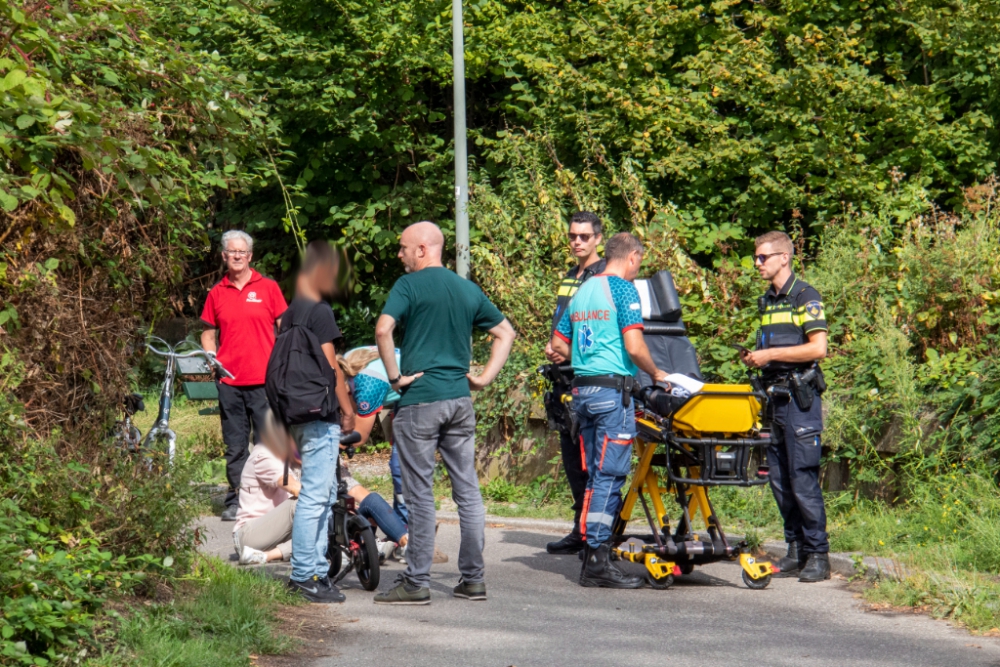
point(537, 616)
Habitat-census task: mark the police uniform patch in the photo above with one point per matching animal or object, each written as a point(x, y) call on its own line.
point(814, 309)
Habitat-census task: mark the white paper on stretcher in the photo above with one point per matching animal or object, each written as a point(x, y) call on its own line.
point(690, 385)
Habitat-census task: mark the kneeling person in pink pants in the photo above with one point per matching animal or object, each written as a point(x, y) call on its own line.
point(263, 530)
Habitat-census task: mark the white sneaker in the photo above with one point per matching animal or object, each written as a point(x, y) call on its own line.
point(385, 550)
point(401, 554)
point(252, 556)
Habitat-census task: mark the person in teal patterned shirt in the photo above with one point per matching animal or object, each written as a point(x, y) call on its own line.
point(601, 332)
point(372, 393)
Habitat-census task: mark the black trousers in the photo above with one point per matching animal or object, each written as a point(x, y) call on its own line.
point(574, 466)
point(793, 458)
point(241, 408)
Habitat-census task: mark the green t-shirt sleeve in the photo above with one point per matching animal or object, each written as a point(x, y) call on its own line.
point(398, 303)
point(487, 315)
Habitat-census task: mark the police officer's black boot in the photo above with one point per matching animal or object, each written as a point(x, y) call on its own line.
point(600, 571)
point(817, 568)
point(793, 561)
point(570, 544)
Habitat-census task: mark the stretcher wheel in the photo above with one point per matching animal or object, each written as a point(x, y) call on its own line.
point(686, 568)
point(661, 584)
point(756, 584)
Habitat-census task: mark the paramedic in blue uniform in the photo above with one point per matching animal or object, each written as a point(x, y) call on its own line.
point(584, 236)
point(790, 342)
point(601, 332)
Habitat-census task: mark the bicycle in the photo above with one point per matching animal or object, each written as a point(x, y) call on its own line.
point(195, 361)
point(351, 536)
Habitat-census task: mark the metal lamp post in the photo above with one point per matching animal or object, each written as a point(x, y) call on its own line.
point(461, 149)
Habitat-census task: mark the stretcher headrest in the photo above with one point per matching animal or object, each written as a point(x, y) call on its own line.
point(659, 299)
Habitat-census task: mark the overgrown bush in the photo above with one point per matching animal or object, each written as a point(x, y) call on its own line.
point(53, 585)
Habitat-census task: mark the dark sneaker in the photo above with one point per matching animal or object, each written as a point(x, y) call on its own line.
point(817, 568)
point(229, 514)
point(469, 591)
point(793, 561)
point(570, 544)
point(316, 590)
point(404, 593)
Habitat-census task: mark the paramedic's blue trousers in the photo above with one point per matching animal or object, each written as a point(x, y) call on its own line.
point(607, 430)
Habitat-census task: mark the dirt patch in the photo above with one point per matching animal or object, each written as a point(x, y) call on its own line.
point(370, 463)
point(313, 626)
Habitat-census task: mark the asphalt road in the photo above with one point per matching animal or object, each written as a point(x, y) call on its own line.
point(537, 615)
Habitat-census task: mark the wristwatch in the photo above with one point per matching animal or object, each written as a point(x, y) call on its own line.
point(396, 379)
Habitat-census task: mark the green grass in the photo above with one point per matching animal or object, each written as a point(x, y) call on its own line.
point(217, 620)
point(945, 538)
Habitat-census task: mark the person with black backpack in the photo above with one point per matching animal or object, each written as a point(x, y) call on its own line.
point(311, 398)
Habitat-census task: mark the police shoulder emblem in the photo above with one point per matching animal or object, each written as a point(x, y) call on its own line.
point(814, 308)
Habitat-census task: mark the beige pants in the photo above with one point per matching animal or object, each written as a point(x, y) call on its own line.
point(273, 530)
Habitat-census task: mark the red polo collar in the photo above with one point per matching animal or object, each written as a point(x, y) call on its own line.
point(254, 277)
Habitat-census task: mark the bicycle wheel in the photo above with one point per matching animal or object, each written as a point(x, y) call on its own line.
point(158, 448)
point(336, 558)
point(366, 558)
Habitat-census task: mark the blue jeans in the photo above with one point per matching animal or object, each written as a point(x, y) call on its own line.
point(398, 501)
point(607, 429)
point(374, 508)
point(319, 445)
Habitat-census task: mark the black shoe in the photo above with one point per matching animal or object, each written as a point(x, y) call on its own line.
point(317, 590)
point(229, 514)
point(793, 561)
point(469, 591)
point(570, 544)
point(817, 568)
point(600, 571)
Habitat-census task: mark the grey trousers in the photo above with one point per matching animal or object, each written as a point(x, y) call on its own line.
point(448, 427)
point(271, 531)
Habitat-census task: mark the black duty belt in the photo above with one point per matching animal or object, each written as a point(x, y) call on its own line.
point(625, 384)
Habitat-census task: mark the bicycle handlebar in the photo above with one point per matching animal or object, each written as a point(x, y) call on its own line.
point(207, 356)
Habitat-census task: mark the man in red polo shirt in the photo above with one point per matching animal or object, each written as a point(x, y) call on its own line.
point(241, 312)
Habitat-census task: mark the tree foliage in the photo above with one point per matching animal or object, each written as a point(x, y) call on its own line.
point(746, 115)
point(117, 142)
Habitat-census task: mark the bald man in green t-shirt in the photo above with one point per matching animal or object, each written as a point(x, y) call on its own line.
point(437, 311)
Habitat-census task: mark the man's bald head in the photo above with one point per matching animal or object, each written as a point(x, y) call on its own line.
point(421, 246)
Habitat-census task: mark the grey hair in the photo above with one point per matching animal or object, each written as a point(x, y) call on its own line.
point(237, 234)
point(621, 244)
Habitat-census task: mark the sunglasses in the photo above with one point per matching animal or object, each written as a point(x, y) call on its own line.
point(763, 258)
point(583, 237)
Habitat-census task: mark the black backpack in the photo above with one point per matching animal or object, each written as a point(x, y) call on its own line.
point(298, 382)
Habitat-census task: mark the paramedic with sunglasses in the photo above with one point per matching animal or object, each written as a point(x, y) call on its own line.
point(584, 237)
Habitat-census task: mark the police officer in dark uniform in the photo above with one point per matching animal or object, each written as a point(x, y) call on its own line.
point(584, 236)
point(791, 340)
